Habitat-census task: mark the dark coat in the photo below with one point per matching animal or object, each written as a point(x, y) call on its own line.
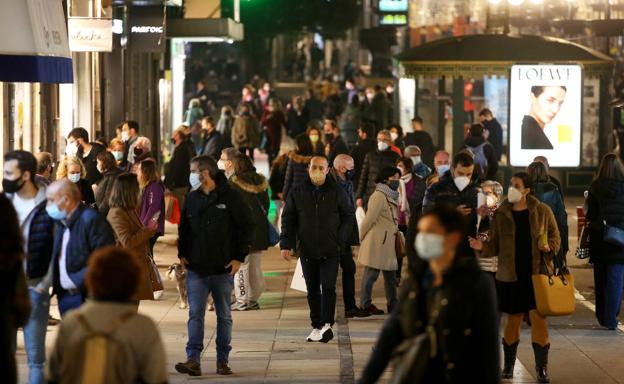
point(178, 169)
point(317, 221)
point(88, 231)
point(336, 147)
point(533, 136)
point(548, 194)
point(278, 176)
point(359, 152)
point(466, 329)
point(253, 187)
point(104, 190)
point(40, 243)
point(423, 140)
point(296, 172)
point(213, 145)
point(495, 137)
point(347, 186)
point(90, 163)
point(86, 191)
point(490, 155)
point(605, 202)
point(215, 229)
point(296, 122)
point(374, 162)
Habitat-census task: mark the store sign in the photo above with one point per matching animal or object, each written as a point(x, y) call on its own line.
point(545, 114)
point(146, 31)
point(90, 35)
point(393, 5)
point(48, 27)
point(393, 19)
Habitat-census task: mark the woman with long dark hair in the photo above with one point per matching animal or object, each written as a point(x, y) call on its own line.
point(14, 296)
point(605, 206)
point(297, 166)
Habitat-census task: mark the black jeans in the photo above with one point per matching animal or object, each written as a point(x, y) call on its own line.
point(347, 264)
point(321, 273)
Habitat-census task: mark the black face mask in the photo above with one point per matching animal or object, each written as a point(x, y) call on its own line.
point(349, 174)
point(138, 152)
point(329, 137)
point(393, 184)
point(173, 141)
point(12, 186)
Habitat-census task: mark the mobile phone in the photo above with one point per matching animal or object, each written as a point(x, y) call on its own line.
point(156, 216)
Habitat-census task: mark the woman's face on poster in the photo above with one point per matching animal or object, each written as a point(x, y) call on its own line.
point(547, 105)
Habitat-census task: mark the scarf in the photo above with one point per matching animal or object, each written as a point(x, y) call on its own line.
point(390, 194)
point(403, 203)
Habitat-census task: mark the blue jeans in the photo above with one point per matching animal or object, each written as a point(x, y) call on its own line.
point(67, 302)
point(369, 277)
point(608, 282)
point(35, 334)
point(199, 287)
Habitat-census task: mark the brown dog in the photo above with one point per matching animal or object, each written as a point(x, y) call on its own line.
point(177, 272)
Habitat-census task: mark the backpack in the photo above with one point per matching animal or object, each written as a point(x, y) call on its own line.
point(99, 358)
point(479, 157)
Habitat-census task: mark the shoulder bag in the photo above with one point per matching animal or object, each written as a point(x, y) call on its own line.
point(399, 238)
point(582, 251)
point(613, 235)
point(274, 235)
point(554, 291)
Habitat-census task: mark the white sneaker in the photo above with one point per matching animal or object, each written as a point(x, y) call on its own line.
point(238, 306)
point(326, 333)
point(315, 335)
point(158, 294)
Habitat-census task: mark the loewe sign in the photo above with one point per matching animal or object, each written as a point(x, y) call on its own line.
point(90, 35)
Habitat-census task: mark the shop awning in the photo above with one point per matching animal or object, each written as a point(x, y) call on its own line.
point(205, 30)
point(493, 55)
point(34, 46)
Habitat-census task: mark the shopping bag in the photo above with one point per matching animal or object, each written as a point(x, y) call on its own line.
point(175, 212)
point(298, 281)
point(554, 292)
point(359, 215)
point(168, 206)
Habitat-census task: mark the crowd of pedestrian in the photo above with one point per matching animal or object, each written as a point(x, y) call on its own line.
point(348, 187)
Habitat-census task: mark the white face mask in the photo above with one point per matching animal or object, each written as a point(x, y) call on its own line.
point(221, 165)
point(514, 196)
point(461, 182)
point(394, 136)
point(430, 246)
point(125, 135)
point(382, 145)
point(74, 177)
point(194, 181)
point(416, 160)
point(490, 201)
point(71, 149)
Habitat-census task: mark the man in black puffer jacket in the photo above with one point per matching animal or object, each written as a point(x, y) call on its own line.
point(216, 232)
point(374, 162)
point(317, 221)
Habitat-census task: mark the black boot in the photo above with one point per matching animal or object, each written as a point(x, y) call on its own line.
point(541, 362)
point(510, 359)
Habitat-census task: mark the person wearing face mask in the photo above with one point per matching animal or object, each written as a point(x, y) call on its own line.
point(227, 161)
point(316, 138)
point(129, 135)
point(107, 167)
point(376, 108)
point(396, 134)
point(117, 149)
point(366, 143)
point(37, 233)
point(72, 168)
point(456, 187)
point(342, 172)
point(298, 163)
point(246, 132)
point(215, 234)
point(422, 139)
point(374, 162)
point(177, 171)
point(491, 194)
point(411, 192)
point(297, 117)
point(447, 298)
point(317, 221)
point(421, 169)
point(441, 165)
point(273, 120)
point(377, 235)
point(78, 145)
point(334, 143)
point(522, 232)
point(80, 230)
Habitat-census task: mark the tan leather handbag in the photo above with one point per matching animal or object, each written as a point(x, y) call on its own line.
point(554, 292)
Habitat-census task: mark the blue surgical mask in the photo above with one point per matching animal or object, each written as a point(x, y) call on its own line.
point(442, 169)
point(194, 181)
point(349, 174)
point(429, 246)
point(54, 212)
point(118, 155)
point(74, 177)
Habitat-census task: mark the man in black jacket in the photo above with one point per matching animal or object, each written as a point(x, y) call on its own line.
point(177, 170)
point(364, 146)
point(373, 163)
point(80, 230)
point(213, 142)
point(422, 139)
point(29, 202)
point(495, 131)
point(216, 232)
point(334, 143)
point(78, 145)
point(317, 220)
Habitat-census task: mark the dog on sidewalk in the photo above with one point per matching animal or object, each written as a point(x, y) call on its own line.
point(177, 272)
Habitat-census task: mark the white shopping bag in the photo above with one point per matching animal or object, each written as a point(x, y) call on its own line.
point(359, 216)
point(298, 281)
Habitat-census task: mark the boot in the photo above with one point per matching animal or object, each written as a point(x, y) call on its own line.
point(541, 362)
point(510, 352)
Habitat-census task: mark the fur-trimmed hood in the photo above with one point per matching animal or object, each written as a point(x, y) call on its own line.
point(301, 159)
point(251, 182)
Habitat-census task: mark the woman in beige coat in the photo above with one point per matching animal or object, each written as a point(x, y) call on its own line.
point(129, 231)
point(377, 237)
